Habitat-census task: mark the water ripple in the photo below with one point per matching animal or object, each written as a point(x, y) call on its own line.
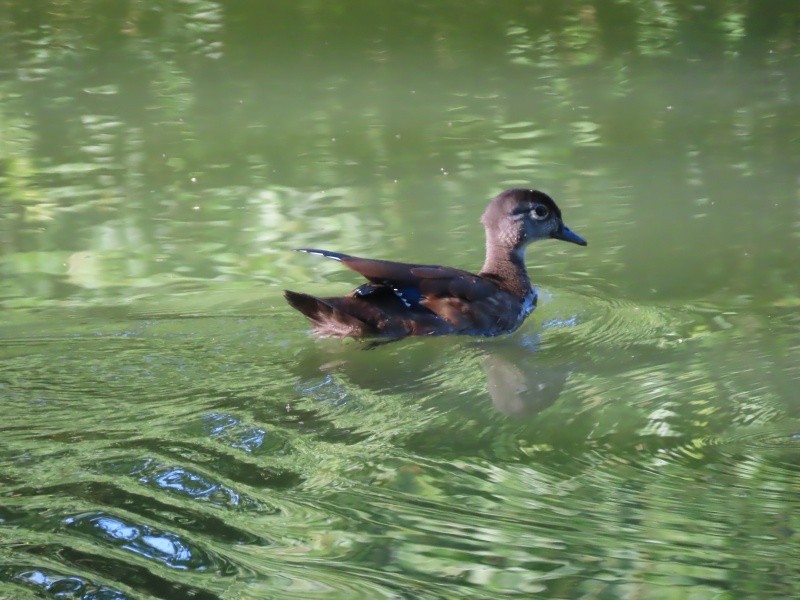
point(168, 548)
point(59, 585)
point(114, 569)
point(182, 482)
point(236, 434)
point(244, 471)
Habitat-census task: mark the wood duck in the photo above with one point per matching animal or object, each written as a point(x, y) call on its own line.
point(401, 299)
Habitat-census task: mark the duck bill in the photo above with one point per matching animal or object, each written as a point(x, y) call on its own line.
point(566, 234)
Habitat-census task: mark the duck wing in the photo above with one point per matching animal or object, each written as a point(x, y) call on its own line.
point(430, 280)
point(463, 299)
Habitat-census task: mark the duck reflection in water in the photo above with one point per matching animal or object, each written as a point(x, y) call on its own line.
point(519, 384)
point(512, 373)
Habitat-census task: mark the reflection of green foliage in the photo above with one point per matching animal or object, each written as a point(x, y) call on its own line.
point(16, 166)
point(159, 158)
point(219, 124)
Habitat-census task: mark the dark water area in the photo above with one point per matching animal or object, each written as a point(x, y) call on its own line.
point(170, 429)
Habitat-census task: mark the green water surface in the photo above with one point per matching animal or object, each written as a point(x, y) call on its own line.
point(168, 427)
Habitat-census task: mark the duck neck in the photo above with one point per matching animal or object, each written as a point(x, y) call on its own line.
point(507, 265)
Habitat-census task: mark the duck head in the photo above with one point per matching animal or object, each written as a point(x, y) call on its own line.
point(518, 217)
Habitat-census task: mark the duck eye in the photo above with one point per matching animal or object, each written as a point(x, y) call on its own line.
point(540, 212)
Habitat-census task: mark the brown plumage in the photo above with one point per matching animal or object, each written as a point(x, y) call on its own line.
point(402, 299)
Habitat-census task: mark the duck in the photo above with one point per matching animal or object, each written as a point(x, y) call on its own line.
point(408, 299)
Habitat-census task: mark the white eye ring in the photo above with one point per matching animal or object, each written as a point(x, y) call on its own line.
point(540, 212)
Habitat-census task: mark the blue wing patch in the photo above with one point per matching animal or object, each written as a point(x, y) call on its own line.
point(410, 296)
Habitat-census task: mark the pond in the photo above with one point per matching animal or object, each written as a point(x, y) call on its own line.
point(171, 429)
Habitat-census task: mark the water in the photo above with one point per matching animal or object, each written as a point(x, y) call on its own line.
point(170, 429)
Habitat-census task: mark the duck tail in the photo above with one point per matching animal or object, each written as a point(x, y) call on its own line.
point(328, 319)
